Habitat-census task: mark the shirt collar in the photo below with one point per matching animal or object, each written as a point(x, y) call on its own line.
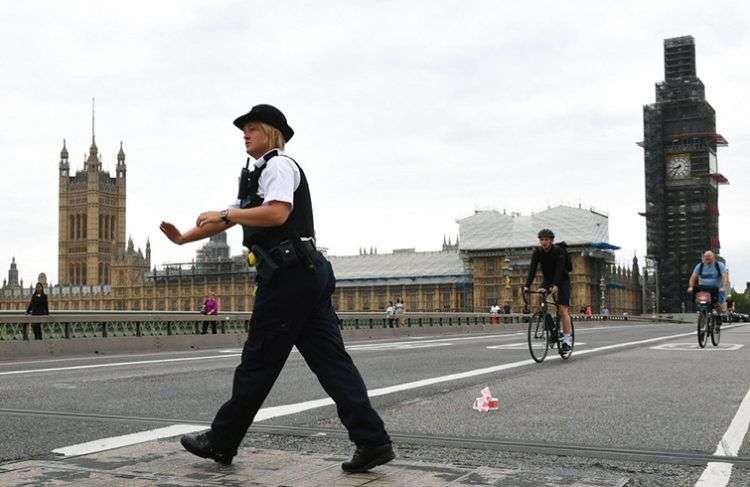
point(261, 161)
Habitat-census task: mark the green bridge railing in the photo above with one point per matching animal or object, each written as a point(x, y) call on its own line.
point(72, 325)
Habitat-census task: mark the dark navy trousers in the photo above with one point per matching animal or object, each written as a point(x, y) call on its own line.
point(294, 309)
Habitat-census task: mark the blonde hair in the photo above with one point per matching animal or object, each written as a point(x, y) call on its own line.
point(273, 136)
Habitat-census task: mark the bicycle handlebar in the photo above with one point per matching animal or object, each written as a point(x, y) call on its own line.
point(542, 291)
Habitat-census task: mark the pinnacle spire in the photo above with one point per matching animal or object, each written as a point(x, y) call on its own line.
point(64, 151)
point(93, 158)
point(93, 128)
point(121, 155)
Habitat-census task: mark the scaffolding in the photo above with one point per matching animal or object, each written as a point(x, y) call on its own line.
point(682, 217)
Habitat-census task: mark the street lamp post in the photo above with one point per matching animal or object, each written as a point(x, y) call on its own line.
point(508, 272)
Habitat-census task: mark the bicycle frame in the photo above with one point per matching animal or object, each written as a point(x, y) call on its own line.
point(543, 308)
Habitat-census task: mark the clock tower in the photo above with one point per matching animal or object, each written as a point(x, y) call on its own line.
point(682, 176)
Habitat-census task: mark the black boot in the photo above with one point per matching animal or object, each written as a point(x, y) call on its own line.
point(200, 444)
point(366, 457)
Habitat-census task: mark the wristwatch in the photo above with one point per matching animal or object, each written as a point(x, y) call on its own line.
point(224, 214)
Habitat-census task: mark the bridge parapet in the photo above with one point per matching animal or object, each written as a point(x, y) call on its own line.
point(73, 325)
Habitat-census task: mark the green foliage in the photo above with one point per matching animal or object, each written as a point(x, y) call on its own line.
point(742, 303)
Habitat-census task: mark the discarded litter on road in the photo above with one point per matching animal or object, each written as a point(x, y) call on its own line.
point(486, 402)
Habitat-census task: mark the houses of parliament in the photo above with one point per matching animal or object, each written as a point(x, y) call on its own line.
point(485, 265)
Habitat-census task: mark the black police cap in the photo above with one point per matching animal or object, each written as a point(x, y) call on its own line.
point(267, 114)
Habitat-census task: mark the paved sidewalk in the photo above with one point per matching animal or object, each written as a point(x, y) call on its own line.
point(165, 463)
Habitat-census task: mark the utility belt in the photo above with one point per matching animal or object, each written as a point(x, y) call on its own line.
point(288, 253)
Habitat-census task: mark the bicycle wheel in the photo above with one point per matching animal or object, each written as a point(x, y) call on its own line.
point(702, 326)
point(716, 331)
point(566, 355)
point(538, 336)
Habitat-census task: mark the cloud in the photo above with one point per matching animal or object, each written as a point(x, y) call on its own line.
point(408, 115)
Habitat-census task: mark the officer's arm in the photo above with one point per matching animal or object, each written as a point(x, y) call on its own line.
point(271, 214)
point(199, 233)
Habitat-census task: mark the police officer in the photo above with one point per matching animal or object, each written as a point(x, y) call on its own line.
point(293, 301)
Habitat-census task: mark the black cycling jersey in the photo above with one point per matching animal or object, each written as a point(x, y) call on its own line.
point(553, 265)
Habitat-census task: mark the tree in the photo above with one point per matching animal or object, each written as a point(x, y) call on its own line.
point(741, 302)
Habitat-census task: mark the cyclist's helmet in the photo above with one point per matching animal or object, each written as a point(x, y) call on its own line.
point(546, 233)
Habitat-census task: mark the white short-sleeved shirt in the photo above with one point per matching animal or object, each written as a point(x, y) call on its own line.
point(278, 181)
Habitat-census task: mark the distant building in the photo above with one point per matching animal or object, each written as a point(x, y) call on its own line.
point(426, 281)
point(497, 248)
point(486, 264)
point(91, 218)
point(681, 174)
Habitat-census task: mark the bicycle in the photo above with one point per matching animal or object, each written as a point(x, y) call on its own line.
point(709, 321)
point(544, 331)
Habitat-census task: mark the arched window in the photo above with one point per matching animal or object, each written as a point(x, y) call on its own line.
point(72, 233)
point(84, 224)
point(101, 231)
point(106, 226)
point(78, 227)
point(112, 228)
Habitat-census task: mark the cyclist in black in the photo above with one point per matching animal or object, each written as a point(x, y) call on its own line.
point(556, 278)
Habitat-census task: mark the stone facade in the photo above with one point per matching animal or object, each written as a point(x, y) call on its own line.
point(91, 217)
point(173, 287)
point(99, 271)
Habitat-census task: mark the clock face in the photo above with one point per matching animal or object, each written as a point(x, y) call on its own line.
point(678, 166)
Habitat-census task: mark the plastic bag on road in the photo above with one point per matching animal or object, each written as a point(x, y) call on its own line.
point(486, 402)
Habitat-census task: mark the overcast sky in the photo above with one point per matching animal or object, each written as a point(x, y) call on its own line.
point(408, 115)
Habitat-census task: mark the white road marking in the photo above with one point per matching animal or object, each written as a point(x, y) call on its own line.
point(276, 411)
point(209, 357)
point(117, 364)
point(684, 347)
point(397, 346)
point(717, 474)
point(288, 409)
point(520, 346)
point(126, 440)
point(238, 352)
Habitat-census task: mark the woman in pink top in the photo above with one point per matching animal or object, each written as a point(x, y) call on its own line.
point(210, 307)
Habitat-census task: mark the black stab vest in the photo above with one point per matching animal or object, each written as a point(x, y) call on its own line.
point(300, 222)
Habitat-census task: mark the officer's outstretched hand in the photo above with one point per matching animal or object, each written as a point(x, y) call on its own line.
point(208, 217)
point(171, 232)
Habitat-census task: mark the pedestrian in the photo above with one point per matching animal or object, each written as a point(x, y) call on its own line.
point(506, 309)
point(293, 301)
point(210, 308)
point(37, 307)
point(399, 311)
point(589, 312)
point(390, 311)
point(494, 312)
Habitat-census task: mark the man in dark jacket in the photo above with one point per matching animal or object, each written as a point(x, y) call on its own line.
point(556, 278)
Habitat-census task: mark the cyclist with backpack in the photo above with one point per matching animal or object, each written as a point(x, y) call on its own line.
point(556, 268)
point(711, 276)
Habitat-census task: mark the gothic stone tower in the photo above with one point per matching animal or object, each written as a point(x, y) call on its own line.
point(682, 177)
point(91, 218)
